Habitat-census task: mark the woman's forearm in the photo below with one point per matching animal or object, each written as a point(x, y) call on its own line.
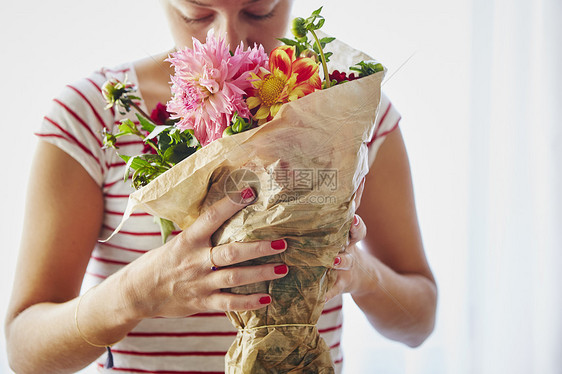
point(44, 337)
point(400, 306)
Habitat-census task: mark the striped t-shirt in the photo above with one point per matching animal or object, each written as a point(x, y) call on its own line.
point(195, 344)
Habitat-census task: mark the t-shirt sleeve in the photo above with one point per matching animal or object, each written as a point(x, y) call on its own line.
point(75, 122)
point(386, 122)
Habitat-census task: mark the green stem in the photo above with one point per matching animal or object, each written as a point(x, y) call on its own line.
point(141, 112)
point(322, 58)
point(152, 145)
point(155, 148)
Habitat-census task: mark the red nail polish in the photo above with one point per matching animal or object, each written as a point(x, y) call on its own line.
point(278, 244)
point(265, 300)
point(281, 269)
point(247, 194)
point(337, 261)
point(355, 220)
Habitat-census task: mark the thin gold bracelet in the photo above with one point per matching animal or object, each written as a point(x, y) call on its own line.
point(80, 331)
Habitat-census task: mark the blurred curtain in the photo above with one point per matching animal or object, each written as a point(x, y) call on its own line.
point(515, 247)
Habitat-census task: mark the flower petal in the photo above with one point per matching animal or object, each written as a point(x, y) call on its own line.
point(253, 102)
point(289, 50)
point(306, 68)
point(281, 61)
point(275, 108)
point(315, 82)
point(262, 112)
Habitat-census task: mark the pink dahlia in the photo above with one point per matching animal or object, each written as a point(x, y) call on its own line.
point(209, 86)
point(248, 61)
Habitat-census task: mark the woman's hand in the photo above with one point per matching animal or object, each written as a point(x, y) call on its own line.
point(347, 264)
point(177, 280)
point(345, 260)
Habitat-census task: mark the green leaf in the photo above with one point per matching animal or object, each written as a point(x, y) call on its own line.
point(175, 138)
point(180, 152)
point(138, 163)
point(317, 11)
point(326, 40)
point(128, 168)
point(146, 124)
point(227, 132)
point(166, 227)
point(127, 127)
point(319, 24)
point(367, 68)
point(188, 137)
point(315, 48)
point(288, 41)
point(168, 153)
point(164, 141)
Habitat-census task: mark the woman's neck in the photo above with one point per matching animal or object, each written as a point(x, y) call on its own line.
point(153, 75)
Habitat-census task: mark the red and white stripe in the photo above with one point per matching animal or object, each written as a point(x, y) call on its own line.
point(387, 121)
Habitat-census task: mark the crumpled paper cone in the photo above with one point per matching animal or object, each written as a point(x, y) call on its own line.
point(320, 139)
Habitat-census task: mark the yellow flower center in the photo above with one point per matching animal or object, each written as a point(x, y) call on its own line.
point(271, 90)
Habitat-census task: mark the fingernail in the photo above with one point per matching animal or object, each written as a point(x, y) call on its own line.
point(265, 300)
point(281, 269)
point(247, 194)
point(337, 261)
point(355, 220)
point(279, 244)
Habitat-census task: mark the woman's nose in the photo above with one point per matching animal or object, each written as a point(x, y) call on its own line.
point(233, 31)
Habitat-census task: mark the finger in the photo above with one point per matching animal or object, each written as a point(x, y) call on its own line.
point(358, 230)
point(215, 215)
point(335, 290)
point(232, 302)
point(240, 276)
point(236, 252)
point(359, 194)
point(343, 261)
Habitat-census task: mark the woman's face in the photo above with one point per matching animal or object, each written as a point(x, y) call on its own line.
point(250, 21)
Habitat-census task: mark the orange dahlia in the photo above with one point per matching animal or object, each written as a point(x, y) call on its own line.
point(287, 79)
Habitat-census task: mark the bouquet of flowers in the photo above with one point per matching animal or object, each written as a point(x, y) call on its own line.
point(247, 119)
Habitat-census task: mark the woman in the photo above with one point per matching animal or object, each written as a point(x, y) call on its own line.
point(76, 197)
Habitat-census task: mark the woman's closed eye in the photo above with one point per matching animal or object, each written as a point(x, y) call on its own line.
point(259, 17)
point(202, 19)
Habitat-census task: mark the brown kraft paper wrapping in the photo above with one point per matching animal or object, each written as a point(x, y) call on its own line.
point(320, 139)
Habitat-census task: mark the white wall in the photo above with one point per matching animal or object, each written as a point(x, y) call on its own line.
point(46, 44)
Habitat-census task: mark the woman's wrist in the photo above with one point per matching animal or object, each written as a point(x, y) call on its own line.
point(105, 314)
point(367, 275)
point(399, 306)
point(130, 305)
